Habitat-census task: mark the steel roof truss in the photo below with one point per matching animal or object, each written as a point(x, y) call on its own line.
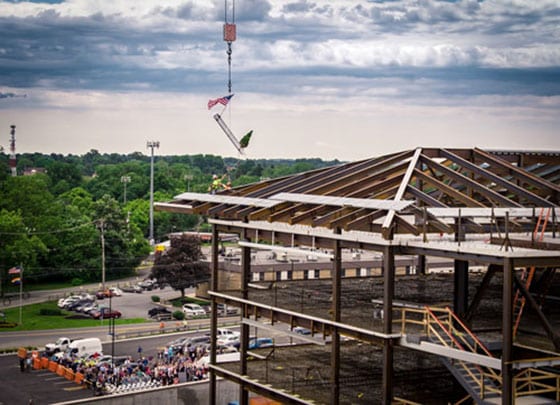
point(490, 194)
point(519, 191)
point(517, 172)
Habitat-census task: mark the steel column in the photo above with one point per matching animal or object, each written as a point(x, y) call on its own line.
point(213, 313)
point(421, 265)
point(481, 290)
point(461, 288)
point(336, 315)
point(388, 295)
point(244, 338)
point(551, 334)
point(507, 333)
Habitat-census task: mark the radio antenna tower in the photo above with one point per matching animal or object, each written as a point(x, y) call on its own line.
point(229, 34)
point(13, 151)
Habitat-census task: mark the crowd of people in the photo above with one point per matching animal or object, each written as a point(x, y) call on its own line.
point(166, 368)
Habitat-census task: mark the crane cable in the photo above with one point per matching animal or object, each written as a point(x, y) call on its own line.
point(229, 35)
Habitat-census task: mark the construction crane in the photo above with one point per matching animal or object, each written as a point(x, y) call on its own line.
point(230, 35)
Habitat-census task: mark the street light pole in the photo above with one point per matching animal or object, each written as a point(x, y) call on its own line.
point(125, 180)
point(151, 145)
point(102, 229)
point(188, 178)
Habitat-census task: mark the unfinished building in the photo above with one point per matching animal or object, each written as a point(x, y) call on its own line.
point(394, 331)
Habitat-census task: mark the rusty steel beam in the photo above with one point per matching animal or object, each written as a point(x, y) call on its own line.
point(519, 191)
point(479, 188)
point(457, 195)
point(519, 173)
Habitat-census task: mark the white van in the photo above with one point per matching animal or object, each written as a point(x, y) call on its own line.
point(82, 348)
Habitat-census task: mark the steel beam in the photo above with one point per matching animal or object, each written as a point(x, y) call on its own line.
point(552, 335)
point(461, 288)
point(214, 314)
point(520, 191)
point(507, 333)
point(388, 296)
point(244, 338)
point(336, 316)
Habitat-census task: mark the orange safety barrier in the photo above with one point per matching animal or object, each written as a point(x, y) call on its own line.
point(44, 362)
point(53, 365)
point(78, 378)
point(36, 363)
point(22, 352)
point(60, 370)
point(69, 374)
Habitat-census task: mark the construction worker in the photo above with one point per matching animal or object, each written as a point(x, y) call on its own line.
point(216, 184)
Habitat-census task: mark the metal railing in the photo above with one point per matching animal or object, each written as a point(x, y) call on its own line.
point(443, 326)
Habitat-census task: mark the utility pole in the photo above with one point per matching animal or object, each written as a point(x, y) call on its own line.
point(101, 226)
point(151, 145)
point(188, 178)
point(124, 181)
point(13, 165)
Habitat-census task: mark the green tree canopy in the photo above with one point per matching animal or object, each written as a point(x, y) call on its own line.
point(181, 266)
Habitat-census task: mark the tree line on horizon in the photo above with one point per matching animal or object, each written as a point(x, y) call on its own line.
point(51, 222)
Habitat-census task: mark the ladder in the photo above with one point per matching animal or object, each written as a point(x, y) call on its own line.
point(527, 275)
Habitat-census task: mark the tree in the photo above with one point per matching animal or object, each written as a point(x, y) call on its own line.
point(181, 266)
point(16, 245)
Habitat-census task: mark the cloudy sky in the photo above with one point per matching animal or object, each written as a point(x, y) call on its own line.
point(344, 79)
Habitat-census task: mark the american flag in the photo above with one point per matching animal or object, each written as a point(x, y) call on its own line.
point(14, 270)
point(222, 100)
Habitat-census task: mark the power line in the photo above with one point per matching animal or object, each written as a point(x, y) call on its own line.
point(48, 232)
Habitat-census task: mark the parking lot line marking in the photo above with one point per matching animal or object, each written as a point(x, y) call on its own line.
point(64, 382)
point(53, 378)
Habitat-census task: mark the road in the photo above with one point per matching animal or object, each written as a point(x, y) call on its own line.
point(45, 387)
point(131, 305)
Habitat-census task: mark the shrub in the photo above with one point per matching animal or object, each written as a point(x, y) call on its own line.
point(50, 311)
point(77, 281)
point(179, 315)
point(155, 298)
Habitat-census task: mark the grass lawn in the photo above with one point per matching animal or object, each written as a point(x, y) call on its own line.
point(33, 320)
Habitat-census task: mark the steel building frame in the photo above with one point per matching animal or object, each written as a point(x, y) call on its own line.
point(395, 205)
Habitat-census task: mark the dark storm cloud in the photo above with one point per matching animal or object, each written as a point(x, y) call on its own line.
point(288, 47)
point(11, 95)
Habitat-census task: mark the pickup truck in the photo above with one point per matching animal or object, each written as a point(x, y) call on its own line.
point(59, 346)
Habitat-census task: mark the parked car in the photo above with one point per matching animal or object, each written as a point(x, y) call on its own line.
point(178, 344)
point(192, 310)
point(226, 310)
point(132, 288)
point(105, 313)
point(74, 305)
point(193, 342)
point(258, 343)
point(101, 294)
point(154, 312)
point(221, 332)
point(229, 340)
point(64, 302)
point(148, 284)
point(115, 292)
point(300, 330)
point(92, 307)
